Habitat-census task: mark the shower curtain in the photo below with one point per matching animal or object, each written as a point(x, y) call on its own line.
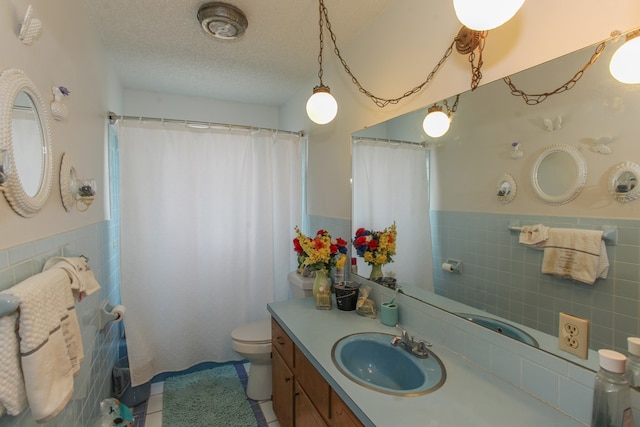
point(206, 227)
point(390, 183)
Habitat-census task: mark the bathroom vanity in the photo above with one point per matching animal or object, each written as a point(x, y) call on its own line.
point(308, 389)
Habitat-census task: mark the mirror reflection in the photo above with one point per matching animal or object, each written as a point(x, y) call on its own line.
point(28, 140)
point(462, 219)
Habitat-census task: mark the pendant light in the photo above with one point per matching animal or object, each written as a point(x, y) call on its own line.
point(321, 106)
point(625, 62)
point(484, 15)
point(436, 123)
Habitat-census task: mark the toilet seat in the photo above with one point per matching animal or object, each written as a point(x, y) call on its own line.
point(258, 332)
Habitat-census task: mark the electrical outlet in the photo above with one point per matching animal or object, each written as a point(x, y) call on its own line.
point(573, 335)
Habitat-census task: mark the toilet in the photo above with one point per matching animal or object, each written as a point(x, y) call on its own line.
point(252, 341)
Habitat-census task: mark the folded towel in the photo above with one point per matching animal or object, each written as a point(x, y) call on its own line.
point(83, 282)
point(579, 255)
point(13, 399)
point(50, 341)
point(534, 235)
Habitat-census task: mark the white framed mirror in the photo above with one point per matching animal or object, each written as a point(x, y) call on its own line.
point(26, 135)
point(506, 189)
point(623, 182)
point(559, 174)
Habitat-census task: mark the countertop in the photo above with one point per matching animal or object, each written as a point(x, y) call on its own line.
point(470, 396)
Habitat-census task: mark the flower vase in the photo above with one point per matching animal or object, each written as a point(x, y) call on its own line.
point(322, 290)
point(376, 272)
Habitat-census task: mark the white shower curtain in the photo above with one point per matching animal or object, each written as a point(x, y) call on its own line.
point(390, 183)
point(206, 227)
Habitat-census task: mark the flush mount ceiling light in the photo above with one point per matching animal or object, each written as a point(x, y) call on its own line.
point(222, 20)
point(484, 15)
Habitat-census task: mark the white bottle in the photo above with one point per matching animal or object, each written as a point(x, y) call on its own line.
point(633, 362)
point(611, 400)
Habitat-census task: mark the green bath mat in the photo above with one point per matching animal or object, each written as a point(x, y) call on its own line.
point(212, 397)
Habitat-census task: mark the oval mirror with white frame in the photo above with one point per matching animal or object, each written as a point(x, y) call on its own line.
point(623, 183)
point(506, 190)
point(25, 134)
point(559, 174)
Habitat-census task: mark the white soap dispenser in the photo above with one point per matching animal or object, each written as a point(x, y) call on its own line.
point(633, 362)
point(611, 400)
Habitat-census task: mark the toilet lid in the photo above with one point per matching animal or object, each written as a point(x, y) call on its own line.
point(255, 332)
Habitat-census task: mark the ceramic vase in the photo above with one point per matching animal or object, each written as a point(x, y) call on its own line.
point(322, 290)
point(376, 272)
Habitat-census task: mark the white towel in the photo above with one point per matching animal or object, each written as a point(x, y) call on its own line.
point(50, 341)
point(579, 255)
point(83, 282)
point(13, 399)
point(534, 235)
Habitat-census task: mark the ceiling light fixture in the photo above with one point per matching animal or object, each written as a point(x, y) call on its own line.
point(222, 20)
point(625, 62)
point(437, 122)
point(484, 15)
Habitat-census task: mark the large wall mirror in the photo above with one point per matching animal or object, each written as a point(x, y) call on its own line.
point(25, 133)
point(463, 219)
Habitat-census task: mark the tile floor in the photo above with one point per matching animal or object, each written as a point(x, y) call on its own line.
point(150, 413)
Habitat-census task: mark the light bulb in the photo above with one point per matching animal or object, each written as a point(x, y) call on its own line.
point(322, 106)
point(436, 123)
point(483, 15)
point(625, 62)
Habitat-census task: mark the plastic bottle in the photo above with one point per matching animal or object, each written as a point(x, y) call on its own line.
point(633, 362)
point(611, 400)
point(354, 265)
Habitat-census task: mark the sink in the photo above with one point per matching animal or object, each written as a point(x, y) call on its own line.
point(370, 360)
point(501, 327)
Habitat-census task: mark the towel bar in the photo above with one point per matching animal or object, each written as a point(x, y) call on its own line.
point(8, 304)
point(609, 233)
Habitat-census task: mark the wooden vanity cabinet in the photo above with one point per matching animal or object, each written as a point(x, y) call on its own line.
point(301, 397)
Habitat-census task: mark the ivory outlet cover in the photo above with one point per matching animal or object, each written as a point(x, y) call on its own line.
point(573, 335)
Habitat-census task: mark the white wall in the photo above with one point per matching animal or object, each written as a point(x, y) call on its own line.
point(396, 52)
point(65, 54)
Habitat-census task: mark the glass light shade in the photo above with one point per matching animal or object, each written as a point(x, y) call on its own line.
point(625, 62)
point(436, 123)
point(483, 15)
point(322, 106)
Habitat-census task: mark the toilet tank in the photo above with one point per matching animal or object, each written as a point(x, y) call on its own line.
point(301, 287)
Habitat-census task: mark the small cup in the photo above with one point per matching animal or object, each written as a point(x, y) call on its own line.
point(389, 314)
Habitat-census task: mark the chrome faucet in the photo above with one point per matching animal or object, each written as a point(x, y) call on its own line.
point(416, 348)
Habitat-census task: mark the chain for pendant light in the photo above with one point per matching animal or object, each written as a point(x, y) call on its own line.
point(476, 74)
point(534, 99)
point(380, 102)
point(321, 23)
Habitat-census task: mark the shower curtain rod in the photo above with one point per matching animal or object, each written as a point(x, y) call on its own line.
point(113, 119)
point(390, 141)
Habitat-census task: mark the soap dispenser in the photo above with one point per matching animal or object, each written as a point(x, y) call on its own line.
point(633, 362)
point(611, 400)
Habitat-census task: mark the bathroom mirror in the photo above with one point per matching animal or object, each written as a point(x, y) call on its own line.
point(559, 174)
point(25, 134)
point(502, 278)
point(623, 183)
point(506, 190)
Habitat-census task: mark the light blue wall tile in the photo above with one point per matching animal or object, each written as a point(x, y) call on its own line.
point(571, 399)
point(506, 365)
point(540, 381)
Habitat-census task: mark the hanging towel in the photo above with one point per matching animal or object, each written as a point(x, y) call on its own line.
point(579, 255)
point(83, 282)
point(50, 342)
point(13, 399)
point(534, 235)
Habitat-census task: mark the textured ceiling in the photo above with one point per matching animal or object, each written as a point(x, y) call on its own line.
point(158, 45)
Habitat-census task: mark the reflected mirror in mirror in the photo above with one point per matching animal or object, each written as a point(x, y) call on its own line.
point(458, 218)
point(27, 137)
point(623, 183)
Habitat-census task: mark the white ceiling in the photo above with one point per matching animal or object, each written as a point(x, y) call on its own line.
point(158, 45)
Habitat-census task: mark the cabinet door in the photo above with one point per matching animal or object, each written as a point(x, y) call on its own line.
point(282, 343)
point(314, 385)
point(341, 415)
point(306, 414)
point(282, 390)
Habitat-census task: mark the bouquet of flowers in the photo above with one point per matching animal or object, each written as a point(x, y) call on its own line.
point(376, 247)
point(320, 252)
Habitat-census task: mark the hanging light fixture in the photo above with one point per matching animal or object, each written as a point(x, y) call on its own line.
point(437, 121)
point(321, 106)
point(625, 62)
point(484, 15)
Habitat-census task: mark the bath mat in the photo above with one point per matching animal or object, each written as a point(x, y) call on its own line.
point(211, 397)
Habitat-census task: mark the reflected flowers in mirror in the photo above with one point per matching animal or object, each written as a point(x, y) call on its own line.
point(376, 247)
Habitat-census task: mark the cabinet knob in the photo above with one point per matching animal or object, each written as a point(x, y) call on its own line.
point(279, 340)
point(287, 379)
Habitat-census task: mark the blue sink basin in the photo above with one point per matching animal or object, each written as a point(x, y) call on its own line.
point(501, 327)
point(370, 360)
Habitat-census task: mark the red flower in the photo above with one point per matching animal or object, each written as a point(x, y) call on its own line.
point(362, 240)
point(360, 230)
point(373, 245)
point(297, 247)
point(318, 243)
point(334, 249)
point(341, 242)
point(321, 232)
